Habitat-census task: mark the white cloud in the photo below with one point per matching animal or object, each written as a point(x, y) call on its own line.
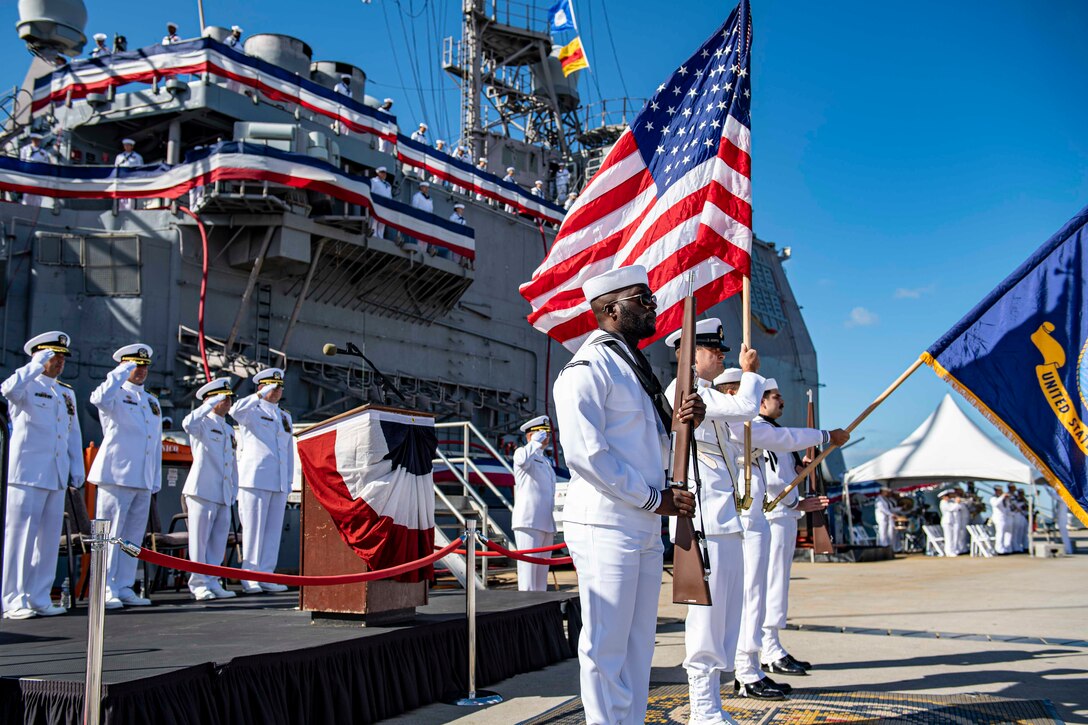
point(861, 317)
point(904, 293)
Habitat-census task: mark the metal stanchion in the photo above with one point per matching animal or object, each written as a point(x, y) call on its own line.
point(96, 614)
point(483, 697)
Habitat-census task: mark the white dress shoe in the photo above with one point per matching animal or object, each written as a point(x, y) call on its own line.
point(221, 593)
point(51, 611)
point(114, 603)
point(130, 599)
point(273, 587)
point(202, 594)
point(20, 613)
point(251, 588)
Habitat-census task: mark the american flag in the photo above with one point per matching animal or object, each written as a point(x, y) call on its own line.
point(674, 195)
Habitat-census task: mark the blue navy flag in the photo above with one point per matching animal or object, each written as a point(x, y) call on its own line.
point(1021, 357)
point(561, 16)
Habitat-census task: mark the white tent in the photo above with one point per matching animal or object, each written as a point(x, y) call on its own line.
point(948, 446)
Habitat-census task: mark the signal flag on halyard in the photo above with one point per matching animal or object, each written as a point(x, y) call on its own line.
point(561, 16)
point(673, 195)
point(372, 471)
point(1021, 357)
point(572, 57)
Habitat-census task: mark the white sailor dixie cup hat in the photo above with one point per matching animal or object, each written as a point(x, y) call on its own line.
point(769, 384)
point(127, 141)
point(269, 376)
point(615, 279)
point(459, 205)
point(946, 492)
point(55, 341)
point(380, 169)
point(99, 36)
point(35, 135)
point(730, 375)
point(138, 353)
point(708, 333)
point(541, 422)
point(219, 386)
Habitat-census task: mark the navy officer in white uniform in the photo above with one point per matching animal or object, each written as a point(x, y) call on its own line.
point(212, 484)
point(710, 634)
point(534, 502)
point(266, 464)
point(46, 455)
point(128, 466)
point(782, 463)
point(610, 409)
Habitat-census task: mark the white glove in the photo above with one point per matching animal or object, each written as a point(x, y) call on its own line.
point(265, 391)
point(127, 366)
point(41, 357)
point(539, 436)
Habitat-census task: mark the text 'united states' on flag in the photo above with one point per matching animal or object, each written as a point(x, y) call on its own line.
point(673, 195)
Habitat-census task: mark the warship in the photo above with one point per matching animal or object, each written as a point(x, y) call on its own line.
point(290, 270)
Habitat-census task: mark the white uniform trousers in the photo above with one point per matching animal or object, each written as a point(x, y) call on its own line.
point(962, 547)
point(711, 633)
point(951, 536)
point(261, 516)
point(757, 548)
point(780, 561)
point(1002, 535)
point(533, 577)
point(619, 582)
point(1062, 520)
point(32, 526)
point(209, 525)
point(126, 508)
point(885, 532)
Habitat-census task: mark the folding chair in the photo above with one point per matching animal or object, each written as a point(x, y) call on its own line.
point(861, 536)
point(171, 542)
point(982, 542)
point(934, 540)
point(77, 526)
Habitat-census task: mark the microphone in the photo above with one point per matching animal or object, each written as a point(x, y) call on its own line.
point(330, 349)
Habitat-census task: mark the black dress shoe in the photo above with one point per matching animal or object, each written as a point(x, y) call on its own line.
point(784, 686)
point(785, 666)
point(799, 663)
point(761, 690)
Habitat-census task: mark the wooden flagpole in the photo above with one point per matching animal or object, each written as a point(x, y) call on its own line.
point(849, 429)
point(746, 339)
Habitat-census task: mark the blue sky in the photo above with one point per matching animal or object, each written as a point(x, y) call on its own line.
point(911, 154)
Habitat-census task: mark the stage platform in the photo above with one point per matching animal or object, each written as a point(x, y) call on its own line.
point(257, 659)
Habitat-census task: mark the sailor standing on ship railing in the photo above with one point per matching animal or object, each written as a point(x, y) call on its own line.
point(538, 189)
point(380, 186)
point(509, 178)
point(100, 48)
point(128, 466)
point(481, 166)
point(458, 215)
point(562, 182)
point(34, 152)
point(344, 86)
point(234, 37)
point(171, 36)
point(129, 157)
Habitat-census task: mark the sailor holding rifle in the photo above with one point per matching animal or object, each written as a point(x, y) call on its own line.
point(611, 409)
point(781, 465)
point(46, 455)
point(534, 502)
point(212, 484)
point(710, 634)
point(128, 467)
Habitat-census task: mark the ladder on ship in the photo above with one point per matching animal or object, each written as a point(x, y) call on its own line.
point(263, 334)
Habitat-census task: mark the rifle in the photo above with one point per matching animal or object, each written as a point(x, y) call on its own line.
point(817, 520)
point(691, 571)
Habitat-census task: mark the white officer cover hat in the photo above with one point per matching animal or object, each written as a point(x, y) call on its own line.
point(269, 376)
point(219, 386)
point(172, 25)
point(538, 182)
point(423, 126)
point(387, 100)
point(612, 280)
point(730, 375)
point(380, 169)
point(35, 135)
point(708, 333)
point(541, 422)
point(99, 36)
point(770, 384)
point(345, 77)
point(55, 340)
point(509, 169)
point(127, 140)
point(458, 205)
point(946, 492)
point(424, 184)
point(137, 352)
point(235, 29)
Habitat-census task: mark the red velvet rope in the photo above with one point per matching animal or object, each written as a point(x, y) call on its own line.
point(554, 561)
point(173, 562)
point(538, 550)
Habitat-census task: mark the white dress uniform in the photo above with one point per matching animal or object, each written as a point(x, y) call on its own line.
point(380, 187)
point(1061, 520)
point(424, 203)
point(999, 517)
point(171, 39)
point(342, 88)
point(1022, 536)
point(128, 159)
point(127, 468)
point(100, 50)
point(885, 523)
point(711, 633)
point(234, 38)
point(211, 487)
point(46, 453)
point(948, 524)
point(458, 218)
point(265, 468)
point(562, 182)
point(780, 444)
point(534, 505)
point(615, 445)
point(37, 155)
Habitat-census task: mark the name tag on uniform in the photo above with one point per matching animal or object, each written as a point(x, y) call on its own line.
point(43, 395)
point(216, 430)
point(270, 420)
point(129, 401)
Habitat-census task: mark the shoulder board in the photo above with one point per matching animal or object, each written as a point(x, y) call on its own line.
point(574, 364)
point(64, 384)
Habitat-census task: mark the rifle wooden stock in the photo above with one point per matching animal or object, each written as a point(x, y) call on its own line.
point(817, 520)
point(689, 573)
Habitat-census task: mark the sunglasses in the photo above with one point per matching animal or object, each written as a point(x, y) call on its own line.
point(644, 298)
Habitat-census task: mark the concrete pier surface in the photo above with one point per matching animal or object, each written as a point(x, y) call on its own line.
point(1011, 626)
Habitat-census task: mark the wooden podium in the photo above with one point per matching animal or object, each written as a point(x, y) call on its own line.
point(324, 553)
